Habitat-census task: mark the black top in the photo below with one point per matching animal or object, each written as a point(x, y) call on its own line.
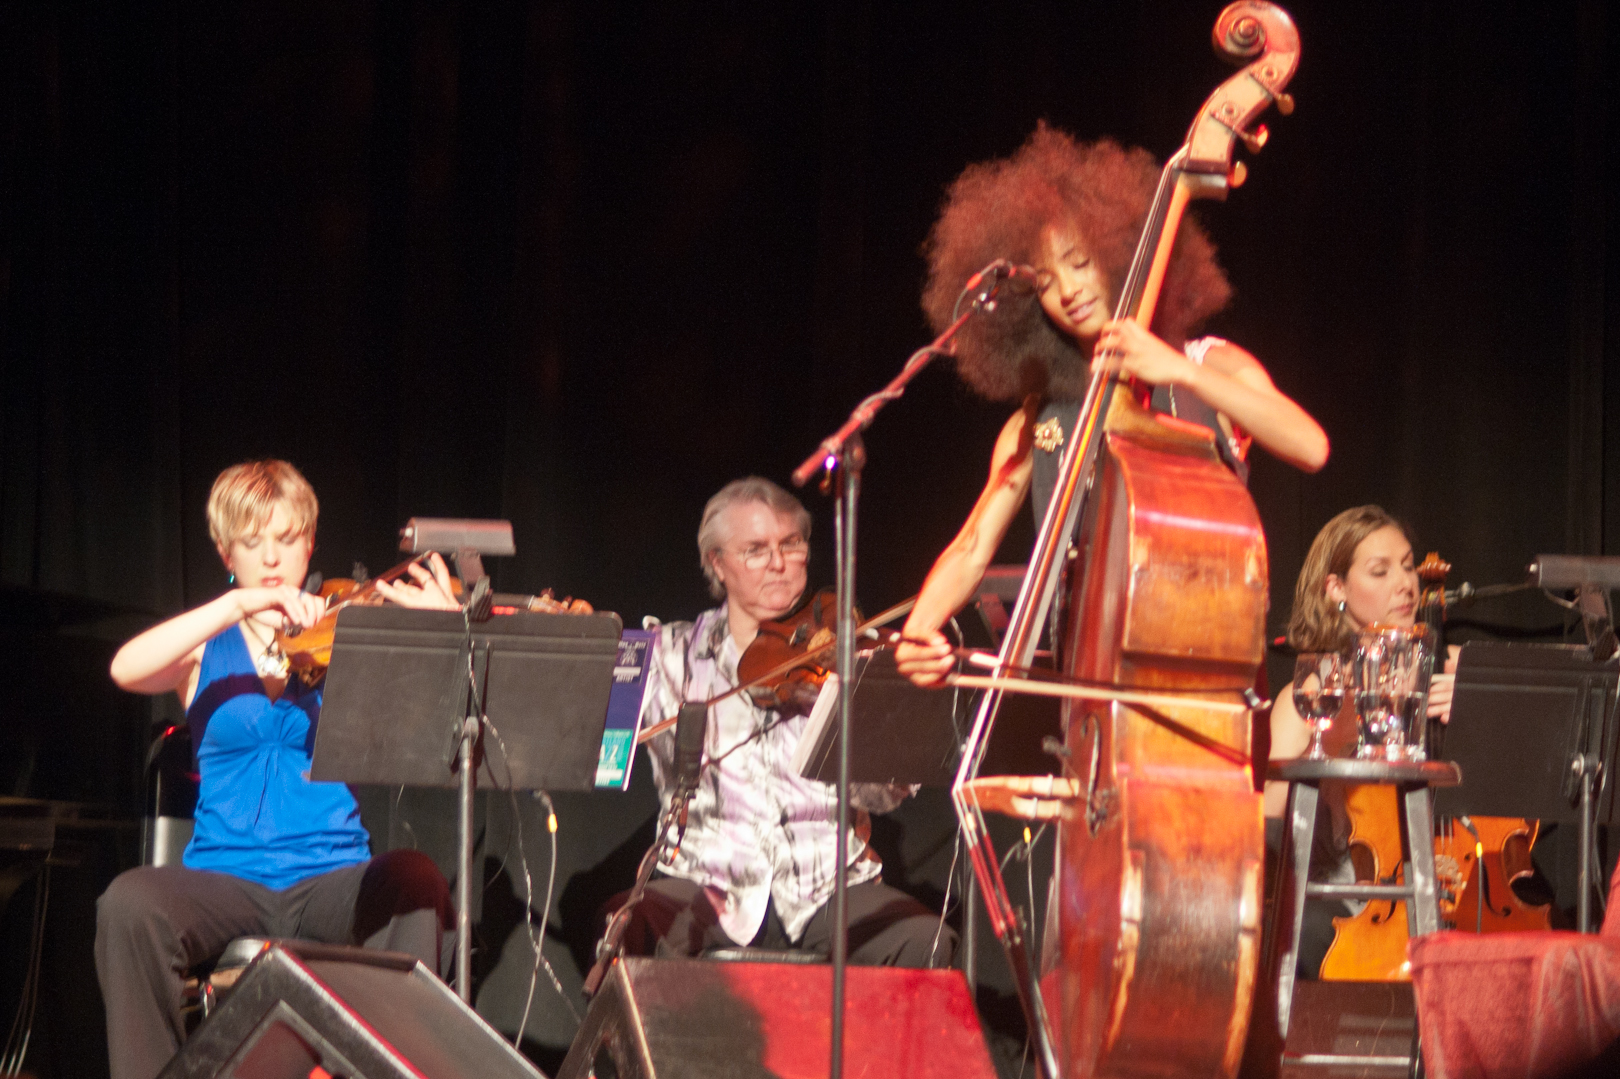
point(1184, 405)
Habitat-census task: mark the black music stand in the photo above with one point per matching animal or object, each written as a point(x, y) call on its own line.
point(398, 710)
point(1534, 728)
point(898, 732)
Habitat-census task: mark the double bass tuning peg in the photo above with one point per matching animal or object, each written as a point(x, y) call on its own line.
point(1255, 139)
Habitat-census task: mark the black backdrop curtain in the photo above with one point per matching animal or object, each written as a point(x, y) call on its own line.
point(578, 265)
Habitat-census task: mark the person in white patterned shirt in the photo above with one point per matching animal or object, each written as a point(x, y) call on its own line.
point(760, 856)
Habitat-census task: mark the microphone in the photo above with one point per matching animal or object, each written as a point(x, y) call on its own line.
point(1558, 571)
point(1017, 271)
point(999, 271)
point(690, 724)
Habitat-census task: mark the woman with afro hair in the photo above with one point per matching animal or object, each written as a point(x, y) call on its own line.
point(1074, 211)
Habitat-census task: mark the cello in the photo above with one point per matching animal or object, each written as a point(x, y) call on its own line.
point(1160, 828)
point(1475, 858)
point(1481, 855)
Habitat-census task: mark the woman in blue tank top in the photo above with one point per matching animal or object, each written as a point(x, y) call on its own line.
point(272, 853)
point(1074, 211)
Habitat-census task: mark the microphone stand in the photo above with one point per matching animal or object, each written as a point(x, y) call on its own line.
point(844, 452)
point(690, 727)
point(612, 943)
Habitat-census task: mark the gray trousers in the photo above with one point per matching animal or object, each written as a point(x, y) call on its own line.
point(154, 923)
point(886, 927)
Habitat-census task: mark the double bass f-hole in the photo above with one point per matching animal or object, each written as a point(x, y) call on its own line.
point(1098, 803)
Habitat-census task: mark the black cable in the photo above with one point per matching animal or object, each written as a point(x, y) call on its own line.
point(945, 904)
point(16, 1049)
point(536, 940)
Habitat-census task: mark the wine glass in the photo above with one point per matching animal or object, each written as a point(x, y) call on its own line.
point(1318, 695)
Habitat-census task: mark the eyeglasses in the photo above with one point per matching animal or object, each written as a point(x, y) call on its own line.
point(758, 555)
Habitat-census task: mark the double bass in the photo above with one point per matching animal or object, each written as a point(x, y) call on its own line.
point(1161, 840)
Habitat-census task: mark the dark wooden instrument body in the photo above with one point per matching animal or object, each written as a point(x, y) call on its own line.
point(1161, 865)
point(810, 628)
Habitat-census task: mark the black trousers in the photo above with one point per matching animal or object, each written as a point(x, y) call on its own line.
point(154, 923)
point(886, 927)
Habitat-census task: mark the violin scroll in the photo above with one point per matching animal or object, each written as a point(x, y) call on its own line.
point(545, 603)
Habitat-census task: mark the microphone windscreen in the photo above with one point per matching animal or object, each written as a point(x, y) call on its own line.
point(690, 724)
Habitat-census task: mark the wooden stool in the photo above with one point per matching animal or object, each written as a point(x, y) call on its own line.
point(1411, 781)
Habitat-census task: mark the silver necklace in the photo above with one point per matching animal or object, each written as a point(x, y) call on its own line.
point(269, 663)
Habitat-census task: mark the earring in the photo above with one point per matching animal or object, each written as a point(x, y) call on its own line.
point(231, 580)
point(1341, 605)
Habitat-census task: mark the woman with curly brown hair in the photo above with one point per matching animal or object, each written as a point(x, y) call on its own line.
point(1074, 211)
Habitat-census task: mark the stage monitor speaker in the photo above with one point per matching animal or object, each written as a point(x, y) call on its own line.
point(702, 1019)
point(311, 1011)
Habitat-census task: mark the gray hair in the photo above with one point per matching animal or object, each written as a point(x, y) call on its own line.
point(712, 532)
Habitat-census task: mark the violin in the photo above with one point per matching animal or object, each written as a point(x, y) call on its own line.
point(788, 661)
point(308, 649)
point(786, 664)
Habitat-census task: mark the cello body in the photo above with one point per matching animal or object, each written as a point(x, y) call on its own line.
point(1475, 858)
point(1486, 902)
point(1160, 884)
point(1473, 877)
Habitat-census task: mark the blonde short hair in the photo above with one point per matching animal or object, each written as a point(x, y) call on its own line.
point(244, 497)
point(712, 532)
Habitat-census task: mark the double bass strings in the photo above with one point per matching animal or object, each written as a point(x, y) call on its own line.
point(1067, 505)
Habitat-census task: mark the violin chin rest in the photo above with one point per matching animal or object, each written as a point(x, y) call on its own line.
point(799, 695)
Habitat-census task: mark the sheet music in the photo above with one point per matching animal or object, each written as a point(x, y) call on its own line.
point(815, 731)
